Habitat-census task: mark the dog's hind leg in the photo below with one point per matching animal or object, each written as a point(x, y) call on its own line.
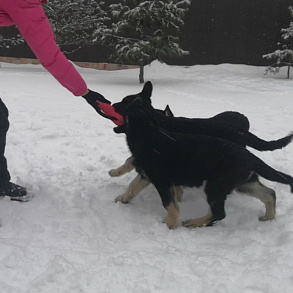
point(134, 188)
point(123, 169)
point(266, 195)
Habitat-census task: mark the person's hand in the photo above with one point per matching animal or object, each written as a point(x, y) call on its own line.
point(103, 107)
point(93, 98)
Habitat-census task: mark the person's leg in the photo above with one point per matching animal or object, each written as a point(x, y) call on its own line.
point(7, 188)
point(4, 125)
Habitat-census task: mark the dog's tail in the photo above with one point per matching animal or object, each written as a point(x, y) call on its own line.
point(263, 145)
point(269, 173)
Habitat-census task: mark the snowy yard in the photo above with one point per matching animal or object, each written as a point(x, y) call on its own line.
point(72, 237)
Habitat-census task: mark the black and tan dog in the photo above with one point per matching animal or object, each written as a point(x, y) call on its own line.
point(139, 182)
point(169, 159)
point(234, 119)
point(230, 125)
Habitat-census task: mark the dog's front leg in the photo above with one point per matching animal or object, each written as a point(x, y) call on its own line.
point(134, 188)
point(125, 168)
point(216, 197)
point(169, 199)
point(178, 192)
point(199, 222)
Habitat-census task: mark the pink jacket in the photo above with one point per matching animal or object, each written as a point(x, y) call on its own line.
point(34, 26)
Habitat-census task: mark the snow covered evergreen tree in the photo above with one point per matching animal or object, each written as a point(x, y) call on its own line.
point(11, 40)
point(74, 22)
point(144, 31)
point(284, 56)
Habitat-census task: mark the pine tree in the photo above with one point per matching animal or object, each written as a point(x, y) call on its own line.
point(144, 31)
point(11, 40)
point(74, 22)
point(284, 56)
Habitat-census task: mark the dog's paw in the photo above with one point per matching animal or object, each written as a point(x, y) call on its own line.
point(115, 173)
point(172, 224)
point(265, 218)
point(122, 198)
point(193, 224)
point(187, 224)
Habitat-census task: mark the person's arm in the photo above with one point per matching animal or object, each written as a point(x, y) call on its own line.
point(5, 20)
point(34, 26)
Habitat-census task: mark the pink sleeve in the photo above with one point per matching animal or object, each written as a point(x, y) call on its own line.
point(33, 24)
point(5, 20)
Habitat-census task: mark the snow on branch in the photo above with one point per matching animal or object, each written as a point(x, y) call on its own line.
point(284, 56)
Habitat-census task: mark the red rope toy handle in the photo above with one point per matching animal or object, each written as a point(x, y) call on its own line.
point(109, 111)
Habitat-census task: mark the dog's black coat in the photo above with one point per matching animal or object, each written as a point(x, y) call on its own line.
point(170, 158)
point(232, 126)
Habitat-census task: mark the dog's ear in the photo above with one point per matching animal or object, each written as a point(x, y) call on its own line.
point(147, 90)
point(168, 112)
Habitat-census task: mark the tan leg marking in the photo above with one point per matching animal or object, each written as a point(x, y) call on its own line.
point(134, 188)
point(173, 216)
point(178, 191)
point(125, 168)
point(200, 222)
point(266, 195)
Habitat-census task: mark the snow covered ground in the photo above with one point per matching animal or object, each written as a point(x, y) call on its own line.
point(72, 237)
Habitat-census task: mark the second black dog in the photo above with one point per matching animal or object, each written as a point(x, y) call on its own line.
point(232, 126)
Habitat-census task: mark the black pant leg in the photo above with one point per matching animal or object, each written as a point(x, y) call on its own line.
point(4, 125)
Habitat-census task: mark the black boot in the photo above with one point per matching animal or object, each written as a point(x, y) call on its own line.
point(14, 191)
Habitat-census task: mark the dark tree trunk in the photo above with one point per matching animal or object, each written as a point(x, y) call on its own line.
point(290, 59)
point(288, 71)
point(141, 72)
